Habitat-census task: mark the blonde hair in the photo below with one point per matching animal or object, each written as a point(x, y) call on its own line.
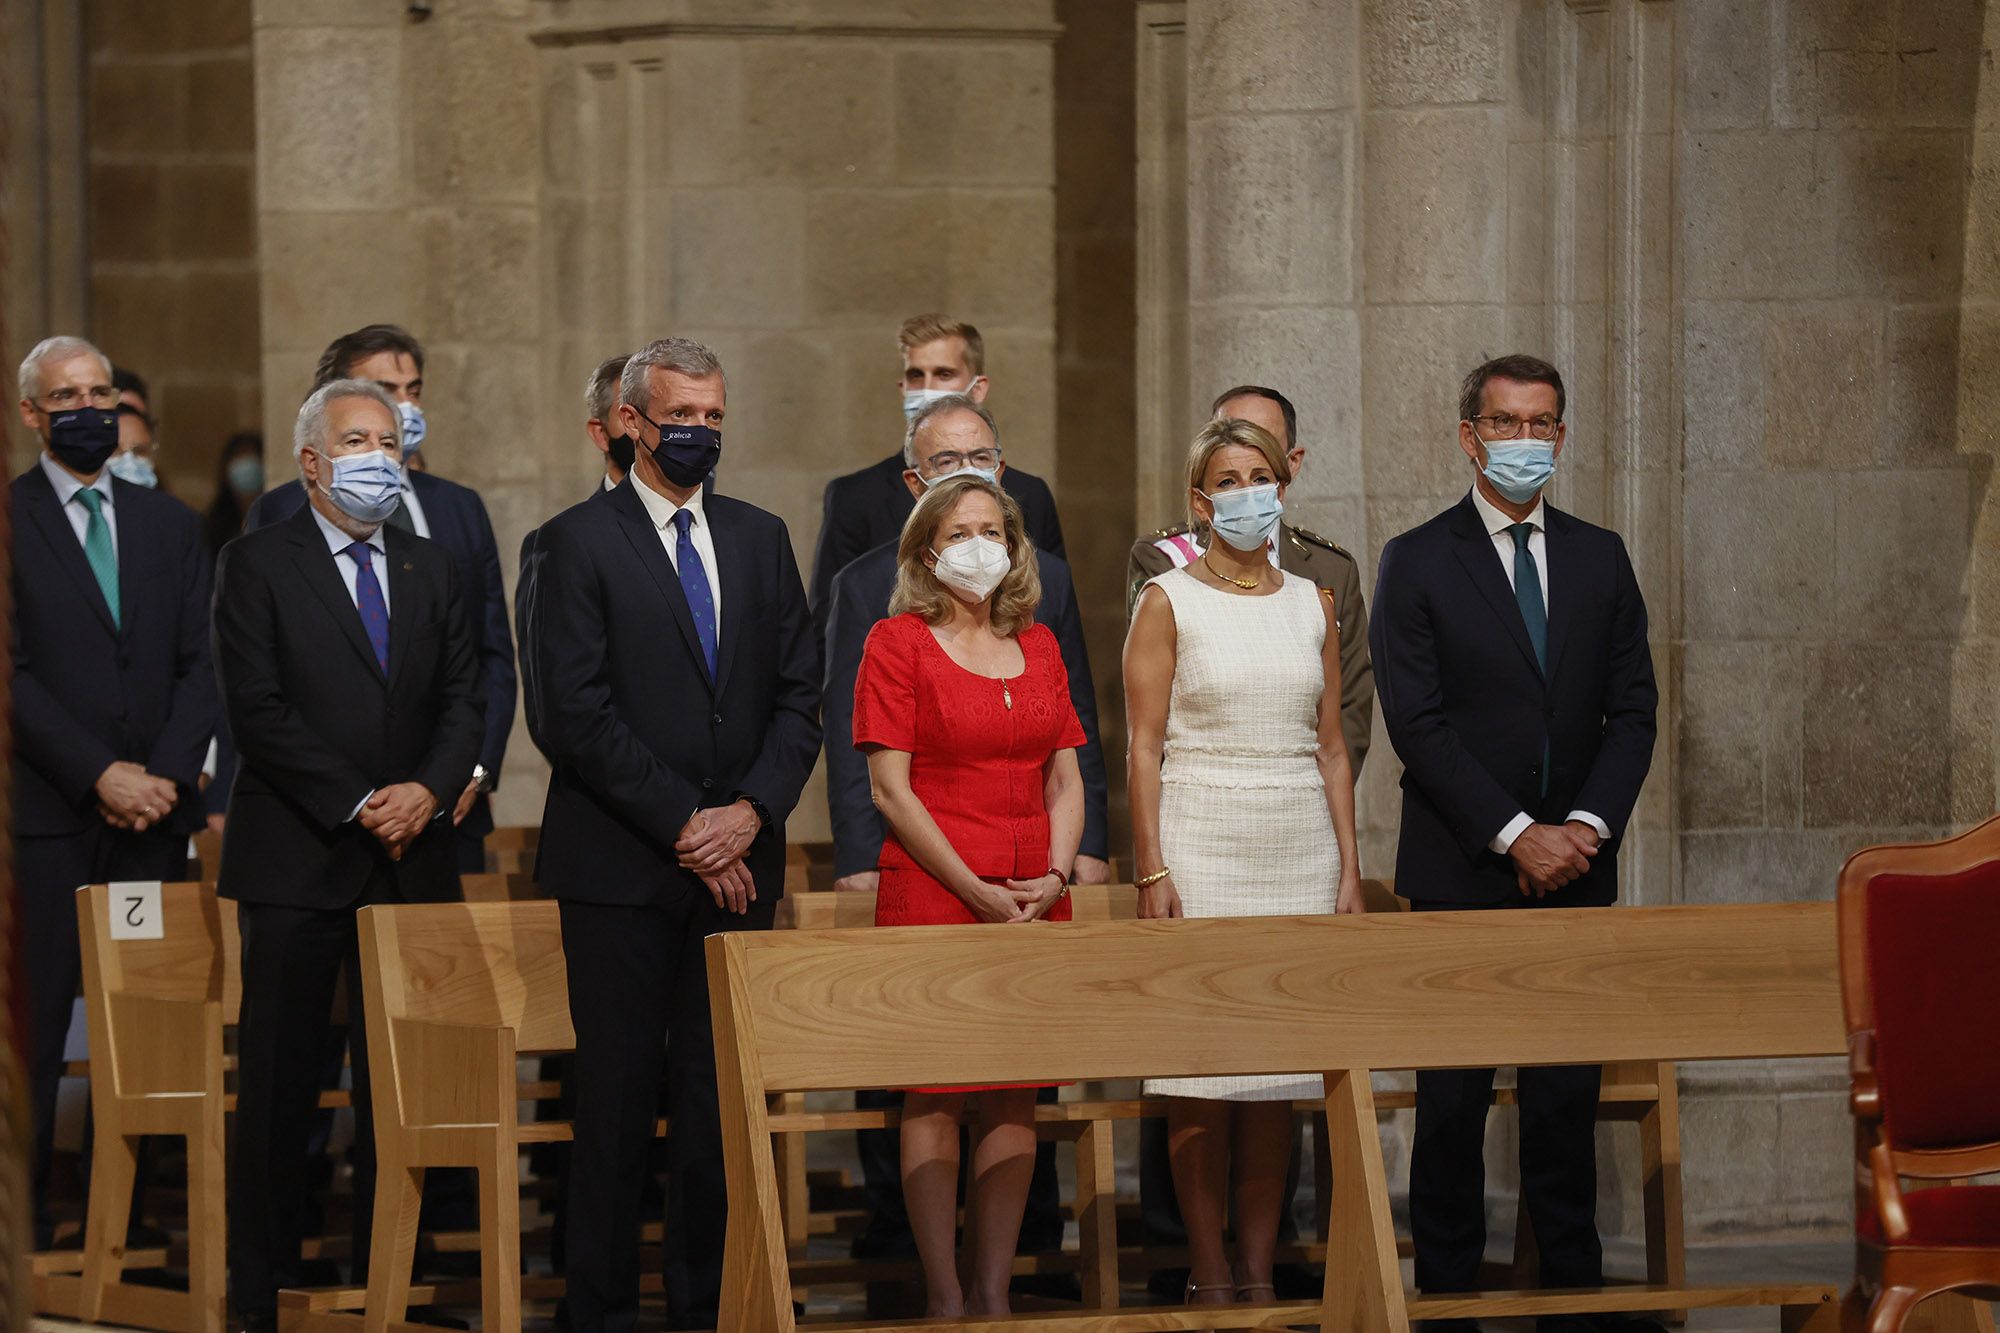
point(1219, 435)
point(918, 589)
point(920, 329)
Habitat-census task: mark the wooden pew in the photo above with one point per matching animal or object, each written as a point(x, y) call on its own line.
point(510, 850)
point(807, 1010)
point(155, 1010)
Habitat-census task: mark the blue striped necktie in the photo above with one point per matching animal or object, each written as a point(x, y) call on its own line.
point(694, 583)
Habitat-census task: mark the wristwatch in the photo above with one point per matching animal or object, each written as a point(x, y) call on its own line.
point(482, 777)
point(757, 806)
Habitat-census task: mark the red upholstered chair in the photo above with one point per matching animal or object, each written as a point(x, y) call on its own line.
point(1919, 931)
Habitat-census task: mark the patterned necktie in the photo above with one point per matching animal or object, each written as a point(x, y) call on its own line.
point(1528, 595)
point(97, 550)
point(694, 583)
point(368, 601)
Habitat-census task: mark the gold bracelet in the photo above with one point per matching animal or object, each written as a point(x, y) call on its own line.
point(1152, 879)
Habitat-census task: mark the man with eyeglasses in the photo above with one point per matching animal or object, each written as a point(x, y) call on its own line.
point(941, 355)
point(1517, 687)
point(114, 695)
point(948, 434)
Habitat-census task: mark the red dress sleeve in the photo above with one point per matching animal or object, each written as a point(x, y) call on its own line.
point(885, 688)
point(1070, 735)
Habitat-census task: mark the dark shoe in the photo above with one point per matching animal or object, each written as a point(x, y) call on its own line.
point(1296, 1282)
point(1050, 1286)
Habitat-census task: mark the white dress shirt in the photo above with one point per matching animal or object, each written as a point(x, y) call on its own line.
point(661, 511)
point(1497, 524)
point(66, 493)
point(338, 542)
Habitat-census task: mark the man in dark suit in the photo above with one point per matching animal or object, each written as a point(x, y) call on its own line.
point(946, 435)
point(114, 694)
point(454, 517)
point(352, 687)
point(1510, 653)
point(863, 509)
point(680, 709)
point(600, 404)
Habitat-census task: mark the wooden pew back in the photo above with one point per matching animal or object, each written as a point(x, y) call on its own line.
point(479, 965)
point(196, 959)
point(913, 1006)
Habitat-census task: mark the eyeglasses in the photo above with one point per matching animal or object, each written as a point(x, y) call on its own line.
point(65, 399)
point(1507, 426)
point(950, 461)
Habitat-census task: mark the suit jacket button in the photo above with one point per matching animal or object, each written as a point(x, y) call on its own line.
point(718, 719)
point(706, 783)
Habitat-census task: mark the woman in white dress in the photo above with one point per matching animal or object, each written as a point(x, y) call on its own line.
point(1242, 805)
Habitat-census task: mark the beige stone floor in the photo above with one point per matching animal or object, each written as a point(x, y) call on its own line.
point(1813, 1262)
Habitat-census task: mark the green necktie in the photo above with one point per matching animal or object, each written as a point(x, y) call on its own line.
point(97, 549)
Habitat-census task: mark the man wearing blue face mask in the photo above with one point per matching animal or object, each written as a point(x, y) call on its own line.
point(864, 509)
point(113, 693)
point(1517, 687)
point(352, 689)
point(452, 515)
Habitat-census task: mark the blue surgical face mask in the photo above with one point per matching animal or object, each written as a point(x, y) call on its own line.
point(1247, 517)
point(991, 476)
point(1519, 469)
point(414, 428)
point(915, 399)
point(366, 487)
point(246, 475)
point(135, 468)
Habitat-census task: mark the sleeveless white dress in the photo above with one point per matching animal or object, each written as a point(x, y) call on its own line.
point(1244, 823)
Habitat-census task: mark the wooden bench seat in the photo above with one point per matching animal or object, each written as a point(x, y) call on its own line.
point(811, 1010)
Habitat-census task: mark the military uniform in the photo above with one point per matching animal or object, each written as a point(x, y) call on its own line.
point(1308, 555)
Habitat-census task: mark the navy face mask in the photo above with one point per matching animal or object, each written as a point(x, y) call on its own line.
point(83, 438)
point(621, 452)
point(686, 454)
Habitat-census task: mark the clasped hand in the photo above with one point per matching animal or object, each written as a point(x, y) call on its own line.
point(130, 798)
point(397, 814)
point(712, 844)
point(1548, 856)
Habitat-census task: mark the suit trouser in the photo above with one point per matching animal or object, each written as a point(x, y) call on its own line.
point(638, 997)
point(293, 957)
point(47, 873)
point(1558, 1131)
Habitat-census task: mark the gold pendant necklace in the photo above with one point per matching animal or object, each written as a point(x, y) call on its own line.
point(1245, 584)
point(1006, 696)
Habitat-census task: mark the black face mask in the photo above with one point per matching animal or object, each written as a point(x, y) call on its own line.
point(83, 438)
point(621, 452)
point(686, 454)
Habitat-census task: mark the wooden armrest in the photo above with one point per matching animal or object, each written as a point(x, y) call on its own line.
point(1864, 1095)
point(451, 1073)
point(1888, 1192)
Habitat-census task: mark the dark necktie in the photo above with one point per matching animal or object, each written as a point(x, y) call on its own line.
point(399, 517)
point(1528, 596)
point(368, 601)
point(694, 583)
point(97, 550)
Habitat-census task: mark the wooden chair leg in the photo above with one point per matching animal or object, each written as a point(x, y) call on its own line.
point(208, 1226)
point(114, 1162)
point(500, 1240)
point(1660, 1169)
point(1891, 1306)
point(399, 1197)
point(1097, 1215)
point(1364, 1280)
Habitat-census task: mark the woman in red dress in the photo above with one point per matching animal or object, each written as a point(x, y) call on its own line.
point(962, 705)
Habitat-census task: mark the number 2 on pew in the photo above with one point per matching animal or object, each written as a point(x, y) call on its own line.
point(135, 910)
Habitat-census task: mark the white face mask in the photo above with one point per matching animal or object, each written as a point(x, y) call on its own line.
point(914, 399)
point(974, 567)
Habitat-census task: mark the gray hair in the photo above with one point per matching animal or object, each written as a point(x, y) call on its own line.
point(683, 356)
point(62, 347)
point(937, 407)
point(600, 391)
point(310, 430)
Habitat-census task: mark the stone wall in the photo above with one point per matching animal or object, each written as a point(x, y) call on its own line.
point(169, 222)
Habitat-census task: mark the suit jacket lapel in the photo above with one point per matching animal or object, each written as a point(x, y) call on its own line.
point(317, 568)
point(48, 517)
point(403, 590)
point(1475, 552)
point(1562, 578)
point(638, 527)
point(730, 570)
